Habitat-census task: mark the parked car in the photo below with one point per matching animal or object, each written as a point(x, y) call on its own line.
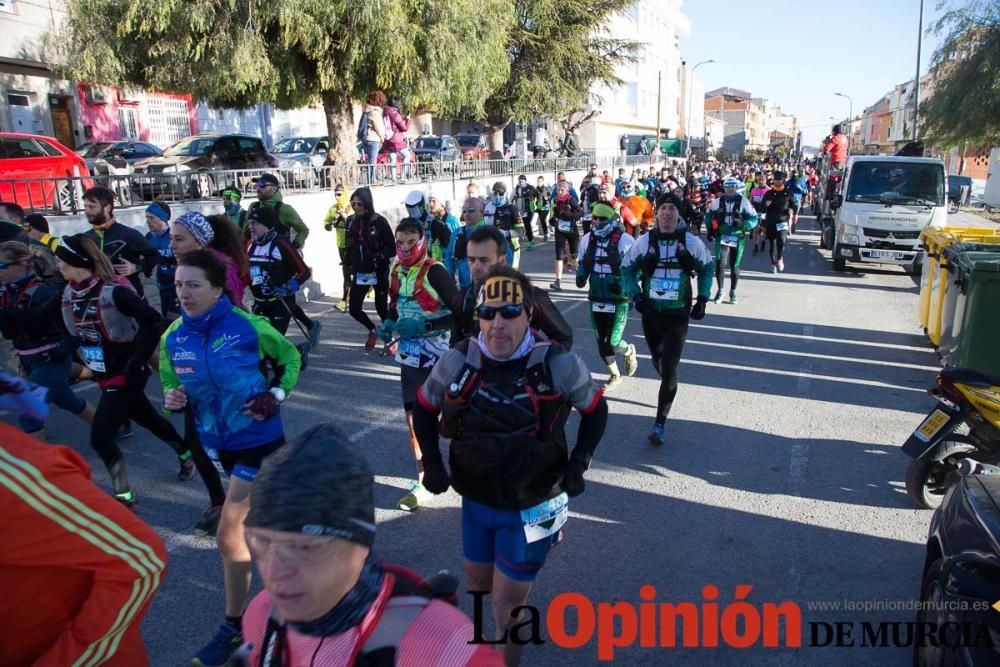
point(955, 184)
point(961, 580)
point(473, 146)
point(436, 153)
point(128, 150)
point(301, 158)
point(188, 165)
point(30, 156)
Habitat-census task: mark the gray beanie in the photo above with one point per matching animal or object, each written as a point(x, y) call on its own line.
point(317, 484)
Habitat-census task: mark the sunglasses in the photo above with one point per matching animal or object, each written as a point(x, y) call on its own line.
point(507, 312)
point(598, 218)
point(263, 186)
point(469, 210)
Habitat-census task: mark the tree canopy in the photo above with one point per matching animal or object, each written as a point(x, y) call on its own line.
point(965, 104)
point(445, 55)
point(557, 49)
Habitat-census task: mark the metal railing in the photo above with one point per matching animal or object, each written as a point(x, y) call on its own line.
point(65, 195)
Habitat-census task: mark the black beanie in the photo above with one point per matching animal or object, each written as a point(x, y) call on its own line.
point(317, 484)
point(669, 198)
point(264, 215)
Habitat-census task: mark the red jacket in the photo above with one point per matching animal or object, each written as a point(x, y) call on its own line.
point(78, 569)
point(837, 147)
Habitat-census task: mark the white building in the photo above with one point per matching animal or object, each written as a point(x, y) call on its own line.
point(714, 134)
point(631, 108)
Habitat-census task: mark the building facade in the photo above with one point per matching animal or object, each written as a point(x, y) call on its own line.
point(631, 108)
point(744, 117)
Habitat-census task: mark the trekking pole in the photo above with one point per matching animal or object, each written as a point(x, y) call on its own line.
point(291, 315)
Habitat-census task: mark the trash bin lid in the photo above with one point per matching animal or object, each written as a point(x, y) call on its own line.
point(951, 252)
point(978, 262)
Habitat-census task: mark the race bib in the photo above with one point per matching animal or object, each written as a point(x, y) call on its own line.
point(599, 307)
point(408, 352)
point(667, 289)
point(365, 279)
point(781, 226)
point(213, 455)
point(730, 240)
point(93, 357)
point(546, 518)
point(564, 226)
point(256, 275)
point(421, 352)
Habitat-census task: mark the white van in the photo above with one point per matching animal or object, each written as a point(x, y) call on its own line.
point(886, 203)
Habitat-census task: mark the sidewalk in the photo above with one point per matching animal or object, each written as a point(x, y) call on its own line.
point(966, 219)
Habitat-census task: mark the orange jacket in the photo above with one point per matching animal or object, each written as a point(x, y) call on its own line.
point(78, 569)
point(642, 210)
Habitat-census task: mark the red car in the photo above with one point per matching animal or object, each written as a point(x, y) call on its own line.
point(29, 167)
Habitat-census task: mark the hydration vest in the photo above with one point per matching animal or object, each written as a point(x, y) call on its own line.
point(49, 331)
point(722, 216)
point(612, 257)
point(410, 290)
point(114, 327)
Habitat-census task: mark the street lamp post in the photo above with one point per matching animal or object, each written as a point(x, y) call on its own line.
point(850, 118)
point(687, 129)
point(916, 80)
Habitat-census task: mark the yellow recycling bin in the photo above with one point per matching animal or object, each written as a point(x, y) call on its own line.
point(936, 271)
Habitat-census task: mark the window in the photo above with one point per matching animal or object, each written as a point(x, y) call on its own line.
point(251, 147)
point(227, 148)
point(168, 120)
point(128, 118)
point(48, 148)
point(7, 6)
point(145, 150)
point(19, 148)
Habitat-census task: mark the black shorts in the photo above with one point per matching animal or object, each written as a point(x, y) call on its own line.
point(245, 463)
point(567, 245)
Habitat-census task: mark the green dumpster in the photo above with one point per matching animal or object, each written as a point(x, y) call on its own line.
point(949, 325)
point(977, 313)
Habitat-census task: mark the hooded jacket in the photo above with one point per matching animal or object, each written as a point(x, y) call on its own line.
point(376, 125)
point(400, 124)
point(370, 241)
point(287, 217)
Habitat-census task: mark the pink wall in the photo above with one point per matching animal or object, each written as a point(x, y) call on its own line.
point(103, 118)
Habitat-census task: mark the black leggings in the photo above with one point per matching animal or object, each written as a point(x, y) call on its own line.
point(543, 216)
point(115, 407)
point(665, 335)
point(279, 312)
point(356, 306)
point(528, 233)
point(346, 271)
point(206, 469)
point(778, 245)
point(730, 256)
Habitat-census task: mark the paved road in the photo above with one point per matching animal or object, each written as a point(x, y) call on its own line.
point(782, 468)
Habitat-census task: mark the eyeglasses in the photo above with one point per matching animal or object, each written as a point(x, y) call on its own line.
point(507, 312)
point(301, 552)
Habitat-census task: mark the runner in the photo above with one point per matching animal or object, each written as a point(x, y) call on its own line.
point(642, 210)
point(370, 249)
point(657, 274)
point(503, 398)
point(438, 232)
point(779, 206)
point(500, 213)
point(566, 211)
point(524, 195)
point(798, 186)
point(729, 219)
point(289, 221)
point(485, 250)
point(115, 333)
point(472, 219)
point(600, 263)
point(329, 599)
point(442, 216)
point(757, 193)
point(421, 301)
point(210, 364)
point(231, 198)
point(193, 231)
point(157, 217)
point(336, 220)
point(541, 206)
point(276, 273)
point(29, 318)
point(78, 570)
point(129, 251)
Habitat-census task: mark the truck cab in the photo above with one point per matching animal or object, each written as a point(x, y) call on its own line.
point(885, 203)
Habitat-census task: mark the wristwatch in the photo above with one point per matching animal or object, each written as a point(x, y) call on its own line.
point(278, 393)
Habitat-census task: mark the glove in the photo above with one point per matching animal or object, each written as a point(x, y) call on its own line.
point(261, 406)
point(573, 483)
point(288, 288)
point(641, 303)
point(436, 479)
point(136, 371)
point(385, 331)
point(328, 226)
point(409, 327)
point(698, 309)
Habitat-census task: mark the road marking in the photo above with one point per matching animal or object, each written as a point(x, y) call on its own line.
point(371, 428)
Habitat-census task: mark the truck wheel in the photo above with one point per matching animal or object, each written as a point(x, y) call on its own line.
point(839, 263)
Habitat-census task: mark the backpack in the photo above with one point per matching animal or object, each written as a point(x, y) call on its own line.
point(406, 585)
point(363, 127)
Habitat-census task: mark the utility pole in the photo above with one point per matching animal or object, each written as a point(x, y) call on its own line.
point(916, 80)
point(659, 89)
point(687, 129)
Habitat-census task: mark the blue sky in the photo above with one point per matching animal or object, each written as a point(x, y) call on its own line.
point(799, 53)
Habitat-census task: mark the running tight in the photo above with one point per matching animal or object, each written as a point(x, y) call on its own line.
point(665, 335)
point(543, 227)
point(778, 246)
point(728, 256)
point(356, 305)
point(115, 407)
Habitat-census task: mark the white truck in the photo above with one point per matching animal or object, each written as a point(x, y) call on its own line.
point(885, 203)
